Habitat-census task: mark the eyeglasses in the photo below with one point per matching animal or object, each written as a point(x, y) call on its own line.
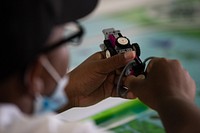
point(73, 35)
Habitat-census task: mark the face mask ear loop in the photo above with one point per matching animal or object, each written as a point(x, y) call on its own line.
point(50, 69)
point(38, 100)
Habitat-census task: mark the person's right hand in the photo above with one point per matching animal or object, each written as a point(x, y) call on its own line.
point(165, 79)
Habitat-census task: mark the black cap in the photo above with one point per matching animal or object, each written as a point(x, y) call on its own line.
point(26, 25)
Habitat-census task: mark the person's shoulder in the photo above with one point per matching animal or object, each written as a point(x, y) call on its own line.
point(12, 120)
point(8, 111)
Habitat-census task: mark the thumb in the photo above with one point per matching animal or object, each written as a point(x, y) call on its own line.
point(134, 84)
point(117, 61)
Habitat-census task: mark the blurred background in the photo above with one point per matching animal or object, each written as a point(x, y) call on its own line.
point(168, 28)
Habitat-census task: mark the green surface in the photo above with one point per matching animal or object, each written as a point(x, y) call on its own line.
point(128, 108)
point(136, 126)
point(138, 118)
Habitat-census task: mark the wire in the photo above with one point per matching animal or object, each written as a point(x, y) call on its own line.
point(120, 78)
point(120, 91)
point(149, 58)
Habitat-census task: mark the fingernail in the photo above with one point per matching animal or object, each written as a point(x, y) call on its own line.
point(141, 76)
point(129, 55)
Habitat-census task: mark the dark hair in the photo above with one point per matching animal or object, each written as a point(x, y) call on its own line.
point(26, 24)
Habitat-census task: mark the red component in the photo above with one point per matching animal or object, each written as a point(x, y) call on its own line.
point(112, 39)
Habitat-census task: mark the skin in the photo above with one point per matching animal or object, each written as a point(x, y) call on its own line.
point(169, 89)
point(98, 76)
point(37, 80)
point(97, 81)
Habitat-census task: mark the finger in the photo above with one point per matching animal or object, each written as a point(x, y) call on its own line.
point(130, 95)
point(149, 66)
point(98, 55)
point(114, 92)
point(135, 83)
point(117, 61)
point(116, 79)
point(152, 62)
point(141, 76)
point(118, 71)
point(127, 94)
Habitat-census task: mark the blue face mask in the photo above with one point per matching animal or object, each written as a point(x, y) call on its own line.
point(58, 99)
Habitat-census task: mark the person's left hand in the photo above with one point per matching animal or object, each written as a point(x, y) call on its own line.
point(95, 78)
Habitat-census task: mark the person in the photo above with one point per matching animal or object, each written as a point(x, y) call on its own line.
point(34, 61)
point(169, 89)
point(34, 80)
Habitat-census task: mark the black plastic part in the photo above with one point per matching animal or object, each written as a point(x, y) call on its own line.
point(122, 46)
point(112, 51)
point(110, 48)
point(107, 43)
point(138, 67)
point(120, 35)
point(137, 49)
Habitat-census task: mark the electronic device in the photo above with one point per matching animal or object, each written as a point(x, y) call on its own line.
point(116, 43)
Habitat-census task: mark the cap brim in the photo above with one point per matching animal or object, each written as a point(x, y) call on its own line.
point(26, 26)
point(76, 9)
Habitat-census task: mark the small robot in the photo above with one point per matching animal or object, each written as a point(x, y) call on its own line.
point(116, 43)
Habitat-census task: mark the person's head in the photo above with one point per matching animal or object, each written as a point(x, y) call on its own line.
point(33, 57)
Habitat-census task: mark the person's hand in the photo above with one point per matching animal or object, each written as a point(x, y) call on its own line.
point(165, 79)
point(95, 79)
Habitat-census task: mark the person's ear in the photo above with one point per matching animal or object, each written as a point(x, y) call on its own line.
point(33, 78)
